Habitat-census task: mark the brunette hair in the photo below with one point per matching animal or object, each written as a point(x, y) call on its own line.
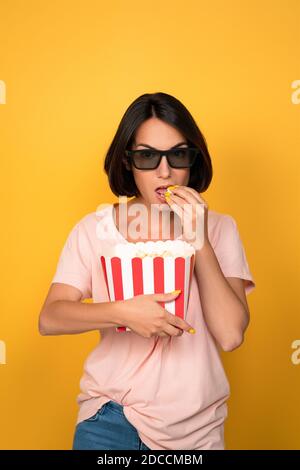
point(170, 110)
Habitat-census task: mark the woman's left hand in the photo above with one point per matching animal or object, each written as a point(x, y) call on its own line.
point(192, 210)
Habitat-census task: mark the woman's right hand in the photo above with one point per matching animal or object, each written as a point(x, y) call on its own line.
point(143, 315)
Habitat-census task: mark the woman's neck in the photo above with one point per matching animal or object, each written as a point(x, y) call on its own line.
point(165, 230)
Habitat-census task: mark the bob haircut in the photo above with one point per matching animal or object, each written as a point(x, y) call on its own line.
point(170, 110)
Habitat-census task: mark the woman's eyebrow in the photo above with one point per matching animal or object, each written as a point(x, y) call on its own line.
point(153, 148)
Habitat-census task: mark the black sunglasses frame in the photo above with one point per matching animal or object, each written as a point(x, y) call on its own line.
point(130, 153)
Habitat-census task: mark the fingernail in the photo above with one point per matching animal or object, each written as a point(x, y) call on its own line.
point(192, 330)
point(175, 291)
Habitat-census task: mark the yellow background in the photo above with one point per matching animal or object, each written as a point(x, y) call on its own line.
point(71, 69)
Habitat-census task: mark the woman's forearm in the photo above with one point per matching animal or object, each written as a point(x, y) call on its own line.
point(224, 313)
point(63, 317)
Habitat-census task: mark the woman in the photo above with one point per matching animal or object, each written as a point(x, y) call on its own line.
point(156, 386)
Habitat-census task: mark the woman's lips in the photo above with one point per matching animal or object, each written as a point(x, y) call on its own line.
point(161, 191)
point(165, 191)
point(160, 194)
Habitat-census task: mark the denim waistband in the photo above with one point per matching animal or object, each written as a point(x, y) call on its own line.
point(115, 406)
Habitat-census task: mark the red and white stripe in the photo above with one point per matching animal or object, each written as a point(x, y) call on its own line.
point(127, 277)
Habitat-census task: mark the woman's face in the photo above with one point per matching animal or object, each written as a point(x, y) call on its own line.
point(159, 135)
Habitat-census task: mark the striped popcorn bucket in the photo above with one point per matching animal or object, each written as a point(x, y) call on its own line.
point(127, 277)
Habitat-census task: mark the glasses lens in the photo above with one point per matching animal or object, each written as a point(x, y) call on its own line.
point(182, 158)
point(177, 158)
point(145, 159)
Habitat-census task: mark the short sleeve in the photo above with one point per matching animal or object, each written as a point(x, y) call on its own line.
point(230, 253)
point(74, 264)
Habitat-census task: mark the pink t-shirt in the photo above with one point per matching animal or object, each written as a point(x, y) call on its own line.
point(173, 389)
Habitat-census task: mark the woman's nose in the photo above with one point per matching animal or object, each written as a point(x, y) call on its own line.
point(163, 168)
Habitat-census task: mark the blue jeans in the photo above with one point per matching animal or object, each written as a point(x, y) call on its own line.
point(108, 429)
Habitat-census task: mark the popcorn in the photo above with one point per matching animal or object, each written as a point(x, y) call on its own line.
point(159, 248)
point(149, 267)
point(169, 189)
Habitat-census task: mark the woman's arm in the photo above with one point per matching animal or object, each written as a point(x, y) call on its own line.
point(223, 301)
point(64, 313)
